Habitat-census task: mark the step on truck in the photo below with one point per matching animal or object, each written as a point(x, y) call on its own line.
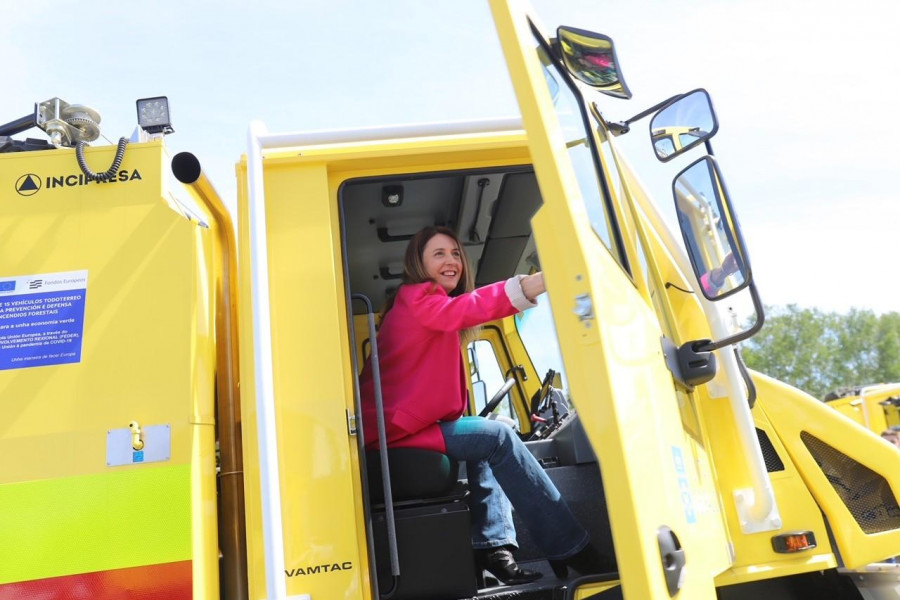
point(180, 411)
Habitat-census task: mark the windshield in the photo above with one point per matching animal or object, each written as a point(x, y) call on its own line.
point(538, 334)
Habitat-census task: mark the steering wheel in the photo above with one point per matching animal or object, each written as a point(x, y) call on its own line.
point(496, 398)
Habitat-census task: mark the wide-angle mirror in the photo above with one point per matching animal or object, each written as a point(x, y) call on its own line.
point(709, 230)
point(591, 58)
point(686, 122)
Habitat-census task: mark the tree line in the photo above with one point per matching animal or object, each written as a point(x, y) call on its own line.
point(822, 352)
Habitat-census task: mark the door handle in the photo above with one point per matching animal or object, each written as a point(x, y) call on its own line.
point(672, 558)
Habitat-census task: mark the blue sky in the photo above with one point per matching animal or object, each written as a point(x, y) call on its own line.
point(805, 92)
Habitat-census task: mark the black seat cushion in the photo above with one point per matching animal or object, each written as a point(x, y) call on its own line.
point(416, 474)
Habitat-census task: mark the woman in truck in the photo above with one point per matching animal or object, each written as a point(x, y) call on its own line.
point(425, 395)
point(713, 280)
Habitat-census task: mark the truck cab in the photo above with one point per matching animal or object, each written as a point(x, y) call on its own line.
point(212, 406)
point(652, 413)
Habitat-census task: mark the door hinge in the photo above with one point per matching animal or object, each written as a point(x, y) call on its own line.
point(351, 423)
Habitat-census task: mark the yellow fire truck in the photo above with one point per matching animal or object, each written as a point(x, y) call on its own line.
point(180, 412)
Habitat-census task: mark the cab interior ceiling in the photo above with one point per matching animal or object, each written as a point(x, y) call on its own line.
point(490, 211)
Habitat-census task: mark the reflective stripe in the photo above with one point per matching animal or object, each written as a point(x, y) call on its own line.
point(95, 523)
point(171, 581)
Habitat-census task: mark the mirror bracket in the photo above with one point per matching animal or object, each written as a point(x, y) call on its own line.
point(616, 128)
point(689, 365)
point(619, 128)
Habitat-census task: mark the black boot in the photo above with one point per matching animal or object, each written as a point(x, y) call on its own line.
point(586, 562)
point(500, 563)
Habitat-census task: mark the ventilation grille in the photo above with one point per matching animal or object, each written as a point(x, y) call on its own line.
point(773, 461)
point(866, 494)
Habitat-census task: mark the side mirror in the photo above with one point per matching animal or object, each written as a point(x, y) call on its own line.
point(709, 230)
point(480, 389)
point(473, 361)
point(684, 123)
point(713, 241)
point(591, 58)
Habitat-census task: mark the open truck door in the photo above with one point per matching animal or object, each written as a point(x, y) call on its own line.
point(668, 531)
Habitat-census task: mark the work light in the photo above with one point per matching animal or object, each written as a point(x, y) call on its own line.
point(153, 115)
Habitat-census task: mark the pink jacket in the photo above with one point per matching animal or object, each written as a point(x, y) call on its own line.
point(709, 287)
point(422, 373)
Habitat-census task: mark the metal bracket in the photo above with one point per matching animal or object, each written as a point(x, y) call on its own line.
point(688, 366)
point(138, 445)
point(351, 423)
point(743, 502)
point(584, 308)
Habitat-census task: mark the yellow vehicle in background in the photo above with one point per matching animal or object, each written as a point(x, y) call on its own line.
point(181, 411)
point(671, 141)
point(875, 407)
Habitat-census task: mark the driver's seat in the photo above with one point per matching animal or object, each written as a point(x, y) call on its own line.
point(416, 475)
point(434, 542)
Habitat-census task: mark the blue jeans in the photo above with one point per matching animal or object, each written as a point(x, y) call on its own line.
point(496, 462)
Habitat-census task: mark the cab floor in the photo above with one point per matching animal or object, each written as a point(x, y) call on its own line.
point(547, 587)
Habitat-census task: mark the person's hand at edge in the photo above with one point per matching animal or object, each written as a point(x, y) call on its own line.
point(533, 285)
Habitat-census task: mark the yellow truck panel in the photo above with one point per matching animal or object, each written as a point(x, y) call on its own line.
point(133, 321)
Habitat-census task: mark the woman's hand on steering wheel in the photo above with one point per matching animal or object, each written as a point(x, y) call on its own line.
point(496, 398)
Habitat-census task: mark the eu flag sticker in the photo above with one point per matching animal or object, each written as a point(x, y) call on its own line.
point(42, 319)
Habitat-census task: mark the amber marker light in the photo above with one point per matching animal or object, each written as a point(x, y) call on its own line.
point(795, 541)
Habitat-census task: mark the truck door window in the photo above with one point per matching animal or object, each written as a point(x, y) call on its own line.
point(615, 179)
point(579, 142)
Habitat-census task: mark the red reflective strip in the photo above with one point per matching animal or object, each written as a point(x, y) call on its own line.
point(150, 582)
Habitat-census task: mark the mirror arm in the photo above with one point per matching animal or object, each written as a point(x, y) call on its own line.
point(709, 149)
point(751, 388)
point(704, 346)
point(618, 128)
point(653, 109)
